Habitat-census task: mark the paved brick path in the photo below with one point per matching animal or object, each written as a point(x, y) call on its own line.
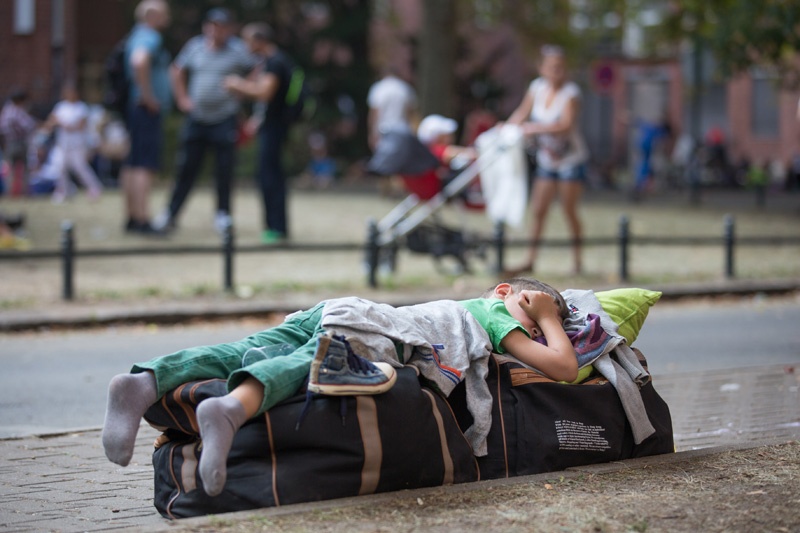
point(64, 482)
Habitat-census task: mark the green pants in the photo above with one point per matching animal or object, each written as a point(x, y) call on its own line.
point(281, 375)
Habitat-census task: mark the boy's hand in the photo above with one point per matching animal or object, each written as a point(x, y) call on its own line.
point(538, 305)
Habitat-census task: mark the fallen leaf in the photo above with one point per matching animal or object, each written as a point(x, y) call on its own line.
point(548, 486)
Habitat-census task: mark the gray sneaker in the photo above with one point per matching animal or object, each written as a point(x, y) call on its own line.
point(337, 371)
point(163, 223)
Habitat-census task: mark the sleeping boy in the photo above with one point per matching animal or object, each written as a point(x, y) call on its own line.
point(350, 346)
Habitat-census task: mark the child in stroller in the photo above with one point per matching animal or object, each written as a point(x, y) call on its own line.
point(437, 133)
point(428, 164)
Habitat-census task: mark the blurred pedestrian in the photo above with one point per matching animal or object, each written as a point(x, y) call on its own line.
point(268, 87)
point(549, 112)
point(198, 74)
point(70, 118)
point(45, 162)
point(11, 237)
point(392, 104)
point(650, 134)
point(16, 126)
point(150, 100)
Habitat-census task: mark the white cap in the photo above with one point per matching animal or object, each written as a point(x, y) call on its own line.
point(434, 125)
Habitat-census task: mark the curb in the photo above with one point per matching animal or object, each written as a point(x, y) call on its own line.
point(383, 499)
point(179, 312)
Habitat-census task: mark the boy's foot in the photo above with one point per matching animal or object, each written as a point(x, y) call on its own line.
point(337, 371)
point(129, 396)
point(218, 419)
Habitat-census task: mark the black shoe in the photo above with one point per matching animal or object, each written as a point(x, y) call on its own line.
point(16, 222)
point(143, 228)
point(146, 229)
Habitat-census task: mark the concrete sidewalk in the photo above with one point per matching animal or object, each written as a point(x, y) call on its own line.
point(64, 483)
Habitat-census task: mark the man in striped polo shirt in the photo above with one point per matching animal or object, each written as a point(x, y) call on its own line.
point(197, 76)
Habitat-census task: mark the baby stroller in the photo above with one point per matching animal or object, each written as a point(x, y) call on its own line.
point(415, 223)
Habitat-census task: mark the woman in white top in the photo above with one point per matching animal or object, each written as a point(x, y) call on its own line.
point(70, 118)
point(549, 111)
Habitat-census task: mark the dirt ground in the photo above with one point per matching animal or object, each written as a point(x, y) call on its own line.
point(751, 490)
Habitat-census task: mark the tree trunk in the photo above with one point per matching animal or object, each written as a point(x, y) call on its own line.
point(436, 55)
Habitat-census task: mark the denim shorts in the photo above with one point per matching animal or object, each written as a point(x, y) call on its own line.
point(146, 131)
point(575, 173)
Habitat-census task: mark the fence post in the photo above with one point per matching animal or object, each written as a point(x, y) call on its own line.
point(730, 241)
point(67, 259)
point(624, 242)
point(227, 250)
point(500, 246)
point(373, 253)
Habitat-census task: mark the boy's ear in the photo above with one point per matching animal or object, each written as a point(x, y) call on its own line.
point(502, 290)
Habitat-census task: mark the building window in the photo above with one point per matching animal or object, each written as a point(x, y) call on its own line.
point(24, 17)
point(764, 104)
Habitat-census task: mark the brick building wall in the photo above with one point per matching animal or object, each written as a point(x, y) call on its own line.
point(781, 146)
point(27, 60)
point(66, 36)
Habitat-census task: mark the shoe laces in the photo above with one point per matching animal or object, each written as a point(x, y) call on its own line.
point(307, 405)
point(354, 361)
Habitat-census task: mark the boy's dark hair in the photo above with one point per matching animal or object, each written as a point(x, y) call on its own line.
point(530, 284)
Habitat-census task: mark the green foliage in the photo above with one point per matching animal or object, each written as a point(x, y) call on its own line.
point(742, 34)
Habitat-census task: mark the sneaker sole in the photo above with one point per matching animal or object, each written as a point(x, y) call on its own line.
point(350, 389)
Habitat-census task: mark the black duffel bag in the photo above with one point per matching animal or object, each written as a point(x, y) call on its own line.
point(345, 446)
point(540, 425)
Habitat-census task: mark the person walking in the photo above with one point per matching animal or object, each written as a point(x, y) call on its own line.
point(392, 102)
point(16, 127)
point(70, 118)
point(549, 112)
point(649, 134)
point(268, 88)
point(147, 63)
point(197, 76)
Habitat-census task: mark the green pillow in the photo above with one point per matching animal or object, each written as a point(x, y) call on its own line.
point(628, 308)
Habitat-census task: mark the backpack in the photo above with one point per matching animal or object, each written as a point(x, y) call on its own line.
point(117, 89)
point(298, 97)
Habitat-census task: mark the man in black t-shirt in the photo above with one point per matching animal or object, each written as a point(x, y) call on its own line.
point(268, 87)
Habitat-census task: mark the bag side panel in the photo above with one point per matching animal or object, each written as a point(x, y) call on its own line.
point(559, 426)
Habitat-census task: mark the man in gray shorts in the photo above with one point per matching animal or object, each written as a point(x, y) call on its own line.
point(197, 76)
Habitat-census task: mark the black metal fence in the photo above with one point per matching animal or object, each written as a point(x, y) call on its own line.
point(69, 252)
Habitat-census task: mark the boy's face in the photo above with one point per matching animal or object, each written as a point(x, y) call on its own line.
point(511, 301)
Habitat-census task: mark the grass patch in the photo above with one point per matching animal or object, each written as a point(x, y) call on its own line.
point(17, 303)
point(105, 295)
